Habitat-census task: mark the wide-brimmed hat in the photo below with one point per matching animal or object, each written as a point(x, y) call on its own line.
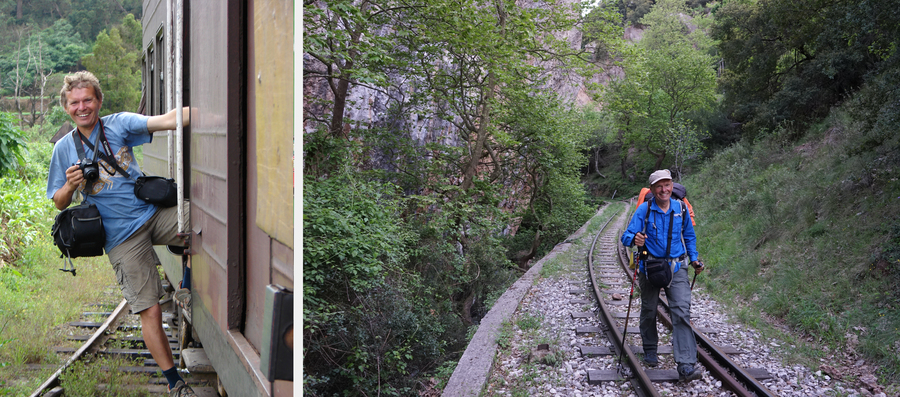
point(659, 175)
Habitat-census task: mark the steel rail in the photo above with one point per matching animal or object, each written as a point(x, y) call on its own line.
point(722, 367)
point(89, 346)
point(640, 381)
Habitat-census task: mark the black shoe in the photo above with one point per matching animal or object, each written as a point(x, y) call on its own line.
point(687, 373)
point(650, 359)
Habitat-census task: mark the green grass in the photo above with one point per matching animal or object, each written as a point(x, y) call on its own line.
point(35, 297)
point(805, 235)
point(103, 377)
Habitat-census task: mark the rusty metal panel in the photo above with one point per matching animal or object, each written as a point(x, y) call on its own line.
point(227, 355)
point(258, 242)
point(153, 18)
point(208, 174)
point(273, 76)
point(282, 265)
point(208, 277)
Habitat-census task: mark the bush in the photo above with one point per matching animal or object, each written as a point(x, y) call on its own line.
point(12, 144)
point(368, 322)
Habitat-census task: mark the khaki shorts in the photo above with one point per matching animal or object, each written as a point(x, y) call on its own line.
point(135, 261)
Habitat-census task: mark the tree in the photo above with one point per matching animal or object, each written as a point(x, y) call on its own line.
point(787, 61)
point(669, 76)
point(468, 132)
point(344, 37)
point(64, 48)
point(37, 55)
point(117, 64)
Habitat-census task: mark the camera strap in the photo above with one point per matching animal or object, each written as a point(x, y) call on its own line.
point(108, 158)
point(79, 147)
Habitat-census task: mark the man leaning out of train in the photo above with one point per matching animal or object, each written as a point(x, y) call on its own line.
point(132, 225)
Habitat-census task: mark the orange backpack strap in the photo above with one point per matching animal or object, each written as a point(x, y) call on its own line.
point(691, 210)
point(641, 196)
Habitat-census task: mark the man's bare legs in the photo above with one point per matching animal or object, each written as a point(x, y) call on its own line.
point(155, 337)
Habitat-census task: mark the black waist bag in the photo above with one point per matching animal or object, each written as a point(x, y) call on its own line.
point(659, 272)
point(156, 190)
point(78, 231)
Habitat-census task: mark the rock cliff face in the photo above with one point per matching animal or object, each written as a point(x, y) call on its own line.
point(367, 107)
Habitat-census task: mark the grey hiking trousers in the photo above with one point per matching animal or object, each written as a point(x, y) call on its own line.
point(679, 295)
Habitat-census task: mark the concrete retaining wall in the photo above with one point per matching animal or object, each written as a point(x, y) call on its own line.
point(474, 367)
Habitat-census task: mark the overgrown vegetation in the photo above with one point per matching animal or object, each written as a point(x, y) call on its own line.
point(104, 377)
point(35, 297)
point(411, 236)
point(780, 118)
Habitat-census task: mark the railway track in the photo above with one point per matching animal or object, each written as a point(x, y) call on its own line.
point(610, 279)
point(117, 334)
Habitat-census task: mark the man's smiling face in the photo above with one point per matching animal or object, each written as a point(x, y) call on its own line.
point(83, 107)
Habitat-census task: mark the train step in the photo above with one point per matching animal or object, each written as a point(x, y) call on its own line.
point(196, 361)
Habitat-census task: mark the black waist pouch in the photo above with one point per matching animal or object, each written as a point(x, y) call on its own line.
point(78, 231)
point(659, 272)
point(157, 190)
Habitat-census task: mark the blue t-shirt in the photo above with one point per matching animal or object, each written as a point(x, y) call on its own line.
point(658, 231)
point(122, 212)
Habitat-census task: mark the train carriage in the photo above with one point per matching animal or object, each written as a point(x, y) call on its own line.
point(232, 63)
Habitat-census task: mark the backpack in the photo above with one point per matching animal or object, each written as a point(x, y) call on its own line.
point(678, 191)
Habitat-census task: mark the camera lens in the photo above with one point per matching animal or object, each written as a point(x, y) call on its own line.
point(90, 170)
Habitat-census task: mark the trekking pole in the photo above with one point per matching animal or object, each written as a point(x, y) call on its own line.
point(628, 313)
point(695, 275)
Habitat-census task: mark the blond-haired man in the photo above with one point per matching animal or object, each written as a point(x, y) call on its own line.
point(132, 225)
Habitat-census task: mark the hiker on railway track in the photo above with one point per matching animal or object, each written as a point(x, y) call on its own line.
point(663, 229)
point(132, 225)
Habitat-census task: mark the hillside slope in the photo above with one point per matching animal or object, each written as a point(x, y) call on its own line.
point(807, 232)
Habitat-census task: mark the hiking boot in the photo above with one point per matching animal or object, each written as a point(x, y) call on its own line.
point(687, 373)
point(650, 359)
point(181, 390)
point(183, 298)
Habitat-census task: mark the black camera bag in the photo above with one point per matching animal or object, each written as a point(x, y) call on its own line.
point(78, 231)
point(659, 272)
point(156, 190)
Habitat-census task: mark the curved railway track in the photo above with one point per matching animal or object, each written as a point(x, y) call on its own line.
point(608, 275)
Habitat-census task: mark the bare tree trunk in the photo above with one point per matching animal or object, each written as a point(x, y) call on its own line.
point(118, 3)
point(597, 162)
point(39, 69)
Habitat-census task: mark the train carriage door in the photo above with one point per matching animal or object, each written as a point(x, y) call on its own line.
point(270, 193)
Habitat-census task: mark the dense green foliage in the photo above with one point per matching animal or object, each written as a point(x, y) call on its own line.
point(669, 79)
point(88, 17)
point(116, 61)
point(431, 218)
point(801, 215)
point(807, 231)
point(787, 62)
point(12, 144)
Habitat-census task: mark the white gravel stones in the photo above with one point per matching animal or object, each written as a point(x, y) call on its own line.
point(550, 300)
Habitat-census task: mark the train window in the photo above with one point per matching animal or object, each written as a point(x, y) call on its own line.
point(161, 72)
point(147, 80)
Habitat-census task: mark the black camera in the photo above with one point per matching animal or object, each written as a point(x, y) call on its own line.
point(89, 169)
